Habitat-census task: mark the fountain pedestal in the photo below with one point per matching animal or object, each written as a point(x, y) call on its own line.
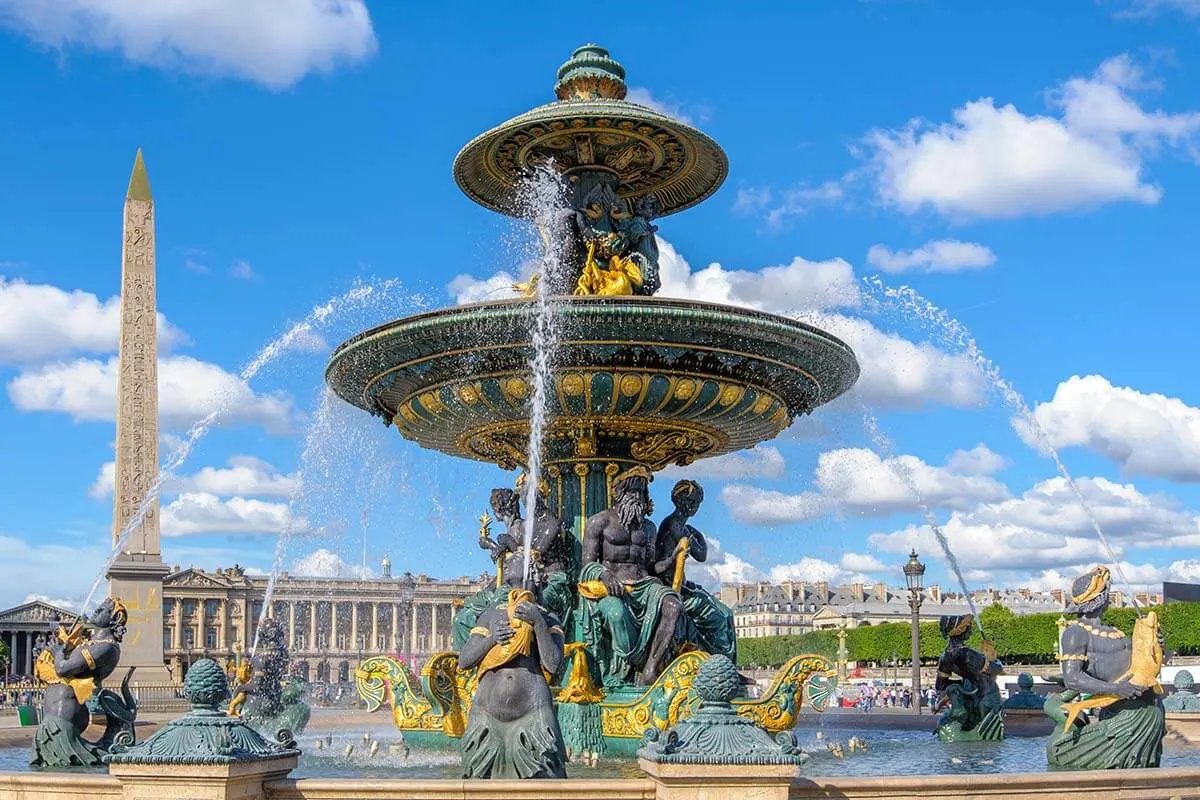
point(720, 781)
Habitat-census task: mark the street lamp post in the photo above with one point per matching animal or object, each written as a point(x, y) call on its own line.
point(914, 571)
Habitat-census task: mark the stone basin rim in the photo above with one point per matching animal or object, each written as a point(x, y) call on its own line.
point(595, 301)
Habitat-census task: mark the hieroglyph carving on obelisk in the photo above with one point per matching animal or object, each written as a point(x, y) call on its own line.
point(137, 386)
point(137, 573)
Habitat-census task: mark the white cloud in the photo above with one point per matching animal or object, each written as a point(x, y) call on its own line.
point(66, 603)
point(467, 289)
point(763, 461)
point(643, 97)
point(859, 562)
point(324, 563)
point(779, 207)
point(1046, 528)
point(271, 42)
point(242, 269)
point(815, 570)
point(40, 322)
point(999, 162)
point(943, 255)
point(245, 476)
point(979, 460)
point(60, 569)
point(859, 482)
point(200, 512)
point(1146, 8)
point(1145, 434)
point(188, 390)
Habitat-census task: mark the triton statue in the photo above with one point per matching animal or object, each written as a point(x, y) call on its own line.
point(630, 614)
point(512, 730)
point(1184, 698)
point(73, 666)
point(1118, 679)
point(710, 621)
point(1025, 697)
point(266, 697)
point(974, 712)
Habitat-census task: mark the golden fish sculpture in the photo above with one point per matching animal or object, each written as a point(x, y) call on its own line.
point(1144, 667)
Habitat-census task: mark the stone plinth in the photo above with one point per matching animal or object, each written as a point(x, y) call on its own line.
point(243, 780)
point(59, 786)
point(333, 789)
point(721, 781)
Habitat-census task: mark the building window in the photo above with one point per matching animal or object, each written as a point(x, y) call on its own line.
point(322, 641)
point(168, 638)
point(189, 607)
point(381, 643)
point(341, 641)
point(189, 637)
point(210, 637)
point(211, 607)
point(168, 606)
point(298, 641)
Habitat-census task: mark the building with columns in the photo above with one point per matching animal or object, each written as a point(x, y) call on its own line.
point(330, 623)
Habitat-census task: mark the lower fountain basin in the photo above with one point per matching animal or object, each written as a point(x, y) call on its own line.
point(645, 379)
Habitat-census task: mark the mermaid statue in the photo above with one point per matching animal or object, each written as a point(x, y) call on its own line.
point(1110, 715)
point(73, 666)
point(966, 685)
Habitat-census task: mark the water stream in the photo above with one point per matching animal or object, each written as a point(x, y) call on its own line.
point(956, 335)
point(302, 331)
point(542, 196)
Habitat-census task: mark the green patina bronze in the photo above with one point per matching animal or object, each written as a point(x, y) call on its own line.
point(966, 684)
point(1183, 698)
point(206, 734)
point(1026, 697)
point(715, 733)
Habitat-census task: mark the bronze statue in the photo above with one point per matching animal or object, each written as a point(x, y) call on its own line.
point(512, 730)
point(966, 683)
point(506, 553)
point(709, 620)
point(630, 614)
point(1118, 679)
point(74, 666)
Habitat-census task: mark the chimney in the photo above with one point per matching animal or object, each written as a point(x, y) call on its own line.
point(880, 592)
point(856, 592)
point(934, 593)
point(1059, 596)
point(822, 591)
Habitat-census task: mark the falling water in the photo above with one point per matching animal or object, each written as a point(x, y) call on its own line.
point(885, 447)
point(956, 335)
point(542, 197)
point(296, 335)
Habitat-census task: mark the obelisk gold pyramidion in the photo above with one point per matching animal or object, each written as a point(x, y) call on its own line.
point(136, 575)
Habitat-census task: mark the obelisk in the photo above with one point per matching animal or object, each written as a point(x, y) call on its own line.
point(136, 575)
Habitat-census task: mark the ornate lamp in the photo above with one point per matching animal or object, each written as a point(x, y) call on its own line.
point(914, 572)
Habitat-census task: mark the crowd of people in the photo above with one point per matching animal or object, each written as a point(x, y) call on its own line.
point(868, 696)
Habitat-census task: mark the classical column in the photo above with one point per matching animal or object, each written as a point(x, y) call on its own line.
point(354, 625)
point(202, 619)
point(291, 624)
point(177, 614)
point(412, 613)
point(433, 627)
point(395, 626)
point(374, 626)
point(227, 638)
point(312, 624)
point(333, 642)
point(28, 653)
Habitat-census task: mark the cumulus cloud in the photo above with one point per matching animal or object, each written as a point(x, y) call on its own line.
point(763, 461)
point(1046, 528)
point(245, 476)
point(39, 322)
point(201, 512)
point(188, 390)
point(1145, 434)
point(468, 289)
point(943, 255)
point(272, 42)
point(644, 97)
point(996, 161)
point(322, 563)
point(860, 482)
point(852, 568)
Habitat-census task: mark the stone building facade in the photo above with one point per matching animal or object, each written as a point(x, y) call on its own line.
point(797, 607)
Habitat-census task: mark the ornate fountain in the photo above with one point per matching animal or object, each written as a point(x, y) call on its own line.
point(636, 383)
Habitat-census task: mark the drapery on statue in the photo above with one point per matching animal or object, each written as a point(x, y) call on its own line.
point(1113, 678)
point(630, 615)
point(512, 730)
point(74, 665)
point(709, 621)
point(973, 700)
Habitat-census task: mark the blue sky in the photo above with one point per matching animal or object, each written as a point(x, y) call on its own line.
point(1035, 175)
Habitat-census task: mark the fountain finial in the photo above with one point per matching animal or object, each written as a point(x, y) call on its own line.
point(590, 74)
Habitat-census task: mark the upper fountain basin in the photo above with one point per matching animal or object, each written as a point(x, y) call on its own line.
point(644, 379)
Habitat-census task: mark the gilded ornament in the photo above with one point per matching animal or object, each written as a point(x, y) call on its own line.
point(631, 385)
point(572, 384)
point(732, 394)
point(761, 404)
point(685, 389)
